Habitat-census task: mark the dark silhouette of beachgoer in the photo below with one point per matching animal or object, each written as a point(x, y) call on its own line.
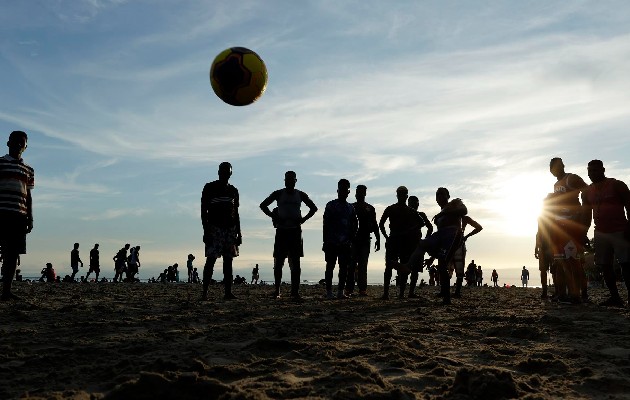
point(443, 243)
point(414, 203)
point(120, 263)
point(163, 277)
point(17, 179)
point(133, 263)
point(288, 220)
point(471, 274)
point(190, 268)
point(459, 258)
point(479, 276)
point(568, 232)
point(402, 239)
point(543, 251)
point(607, 201)
point(95, 265)
point(339, 229)
point(362, 243)
point(195, 276)
point(524, 276)
point(221, 228)
point(75, 260)
point(255, 275)
point(432, 275)
point(495, 278)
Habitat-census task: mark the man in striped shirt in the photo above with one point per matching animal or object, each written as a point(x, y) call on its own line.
point(16, 181)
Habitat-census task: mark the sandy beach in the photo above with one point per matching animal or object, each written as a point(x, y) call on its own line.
point(158, 341)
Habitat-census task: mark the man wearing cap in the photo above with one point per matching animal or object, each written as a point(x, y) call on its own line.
point(401, 240)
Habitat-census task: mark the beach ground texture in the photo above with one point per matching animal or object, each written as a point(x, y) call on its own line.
point(159, 341)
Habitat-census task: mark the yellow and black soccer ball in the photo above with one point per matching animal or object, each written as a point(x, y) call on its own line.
point(238, 76)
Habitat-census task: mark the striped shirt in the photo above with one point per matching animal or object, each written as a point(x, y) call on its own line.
point(16, 179)
point(219, 205)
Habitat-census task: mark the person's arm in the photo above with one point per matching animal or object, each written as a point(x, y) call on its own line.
point(325, 226)
point(381, 223)
point(204, 208)
point(312, 208)
point(29, 211)
point(624, 193)
point(375, 229)
point(477, 227)
point(427, 223)
point(587, 212)
point(264, 206)
point(239, 236)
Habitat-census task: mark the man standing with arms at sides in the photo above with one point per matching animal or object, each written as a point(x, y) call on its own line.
point(543, 249)
point(401, 241)
point(339, 230)
point(607, 200)
point(287, 219)
point(221, 228)
point(361, 246)
point(16, 208)
point(569, 232)
point(524, 276)
point(414, 203)
point(120, 263)
point(75, 260)
point(94, 263)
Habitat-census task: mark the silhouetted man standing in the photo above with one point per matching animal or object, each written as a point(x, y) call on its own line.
point(221, 228)
point(287, 219)
point(94, 263)
point(16, 212)
point(75, 260)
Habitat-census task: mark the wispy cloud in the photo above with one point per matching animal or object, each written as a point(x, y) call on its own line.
point(115, 214)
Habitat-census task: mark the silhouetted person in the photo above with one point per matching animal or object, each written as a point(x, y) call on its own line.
point(120, 263)
point(569, 232)
point(495, 278)
point(133, 263)
point(288, 220)
point(195, 276)
point(459, 258)
point(471, 274)
point(95, 264)
point(255, 275)
point(524, 276)
point(479, 276)
point(607, 200)
point(16, 212)
point(362, 244)
point(443, 243)
point(401, 240)
point(339, 229)
point(543, 251)
point(414, 203)
point(221, 227)
point(189, 267)
point(75, 260)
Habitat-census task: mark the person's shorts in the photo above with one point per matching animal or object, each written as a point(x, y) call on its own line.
point(610, 246)
point(400, 248)
point(545, 261)
point(13, 233)
point(94, 268)
point(220, 242)
point(288, 243)
point(567, 236)
point(361, 251)
point(333, 253)
point(75, 268)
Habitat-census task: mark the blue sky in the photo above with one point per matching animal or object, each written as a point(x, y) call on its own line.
point(124, 129)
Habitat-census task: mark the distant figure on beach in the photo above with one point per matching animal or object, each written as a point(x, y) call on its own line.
point(17, 179)
point(288, 220)
point(495, 278)
point(471, 274)
point(607, 202)
point(94, 263)
point(479, 276)
point(543, 251)
point(255, 275)
point(524, 276)
point(221, 228)
point(75, 260)
point(362, 244)
point(402, 239)
point(568, 233)
point(414, 203)
point(432, 275)
point(120, 263)
point(48, 274)
point(443, 243)
point(163, 277)
point(190, 268)
point(195, 276)
point(339, 229)
point(133, 263)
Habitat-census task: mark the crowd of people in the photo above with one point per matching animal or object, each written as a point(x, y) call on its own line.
point(350, 228)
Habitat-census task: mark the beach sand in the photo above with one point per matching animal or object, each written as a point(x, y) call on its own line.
point(158, 341)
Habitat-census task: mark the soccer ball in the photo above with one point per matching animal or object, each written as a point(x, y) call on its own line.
point(238, 76)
